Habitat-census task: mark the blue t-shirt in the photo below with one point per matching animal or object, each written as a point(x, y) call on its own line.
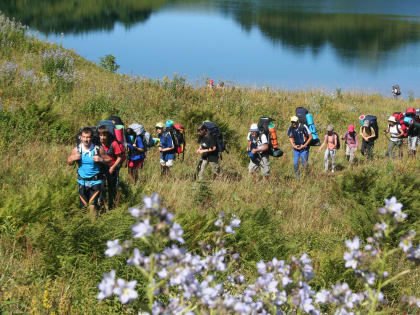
point(166, 142)
point(87, 167)
point(299, 134)
point(136, 155)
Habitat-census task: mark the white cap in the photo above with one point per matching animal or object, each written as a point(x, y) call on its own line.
point(253, 128)
point(392, 118)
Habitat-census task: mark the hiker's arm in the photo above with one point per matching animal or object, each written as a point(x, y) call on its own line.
point(335, 141)
point(74, 156)
point(323, 144)
point(116, 164)
point(307, 141)
point(207, 150)
point(248, 148)
point(102, 157)
point(373, 134)
point(401, 135)
point(292, 142)
point(263, 148)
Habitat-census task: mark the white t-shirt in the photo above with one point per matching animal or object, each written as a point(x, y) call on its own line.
point(257, 142)
point(394, 132)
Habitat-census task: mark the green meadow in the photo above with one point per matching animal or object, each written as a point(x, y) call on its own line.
point(52, 255)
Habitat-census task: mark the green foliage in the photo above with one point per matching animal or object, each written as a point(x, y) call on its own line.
point(12, 35)
point(97, 107)
point(109, 63)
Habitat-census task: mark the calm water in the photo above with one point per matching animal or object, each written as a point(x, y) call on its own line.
point(363, 45)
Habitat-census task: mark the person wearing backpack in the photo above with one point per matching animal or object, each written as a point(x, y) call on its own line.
point(352, 143)
point(208, 151)
point(258, 152)
point(90, 158)
point(166, 146)
point(136, 155)
point(112, 171)
point(396, 135)
point(299, 137)
point(368, 135)
point(331, 141)
point(413, 137)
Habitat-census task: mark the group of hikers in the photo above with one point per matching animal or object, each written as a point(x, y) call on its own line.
point(103, 150)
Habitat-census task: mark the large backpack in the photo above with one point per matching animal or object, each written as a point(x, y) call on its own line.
point(301, 113)
point(146, 137)
point(399, 117)
point(373, 122)
point(338, 140)
point(110, 125)
point(396, 89)
point(411, 112)
point(266, 127)
point(307, 119)
point(116, 120)
point(178, 138)
point(217, 135)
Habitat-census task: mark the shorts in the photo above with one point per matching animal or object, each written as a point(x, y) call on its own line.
point(136, 164)
point(89, 195)
point(263, 165)
point(412, 142)
point(168, 163)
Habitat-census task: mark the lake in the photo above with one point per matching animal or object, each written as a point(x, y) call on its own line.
point(364, 46)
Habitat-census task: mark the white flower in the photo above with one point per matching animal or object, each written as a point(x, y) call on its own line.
point(392, 205)
point(135, 212)
point(137, 258)
point(353, 245)
point(142, 229)
point(176, 233)
point(125, 290)
point(230, 230)
point(261, 267)
point(107, 285)
point(235, 223)
point(405, 244)
point(151, 202)
point(219, 222)
point(322, 296)
point(114, 248)
point(350, 261)
point(163, 273)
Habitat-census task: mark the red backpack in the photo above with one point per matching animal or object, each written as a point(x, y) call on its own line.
point(399, 117)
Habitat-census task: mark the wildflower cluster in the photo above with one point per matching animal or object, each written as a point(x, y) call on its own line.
point(194, 283)
point(8, 72)
point(59, 66)
point(12, 33)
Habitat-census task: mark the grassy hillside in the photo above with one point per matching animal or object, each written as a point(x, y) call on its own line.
point(52, 255)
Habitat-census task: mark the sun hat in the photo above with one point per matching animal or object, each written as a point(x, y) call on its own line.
point(169, 123)
point(330, 128)
point(160, 125)
point(392, 119)
point(350, 128)
point(366, 123)
point(253, 128)
point(294, 119)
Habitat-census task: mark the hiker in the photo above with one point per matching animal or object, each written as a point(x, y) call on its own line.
point(413, 137)
point(166, 146)
point(258, 152)
point(299, 137)
point(368, 135)
point(208, 151)
point(210, 84)
point(136, 155)
point(396, 91)
point(331, 141)
point(112, 171)
point(396, 135)
point(89, 176)
point(352, 143)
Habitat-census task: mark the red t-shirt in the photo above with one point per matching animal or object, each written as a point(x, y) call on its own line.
point(114, 152)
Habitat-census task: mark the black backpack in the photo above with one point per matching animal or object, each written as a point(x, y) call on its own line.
point(373, 122)
point(301, 113)
point(214, 131)
point(396, 89)
point(177, 137)
point(116, 120)
point(263, 126)
point(338, 140)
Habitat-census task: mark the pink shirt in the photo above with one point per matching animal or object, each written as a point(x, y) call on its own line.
point(350, 140)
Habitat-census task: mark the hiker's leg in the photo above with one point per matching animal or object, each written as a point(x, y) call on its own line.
point(112, 181)
point(265, 167)
point(83, 197)
point(363, 149)
point(305, 160)
point(253, 169)
point(332, 154)
point(92, 211)
point(352, 154)
point(202, 169)
point(296, 157)
point(326, 154)
point(215, 168)
point(389, 150)
point(94, 192)
point(371, 146)
point(169, 164)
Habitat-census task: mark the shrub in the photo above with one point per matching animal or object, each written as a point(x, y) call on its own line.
point(109, 63)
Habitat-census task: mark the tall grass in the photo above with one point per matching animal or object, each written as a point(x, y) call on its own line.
point(61, 252)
